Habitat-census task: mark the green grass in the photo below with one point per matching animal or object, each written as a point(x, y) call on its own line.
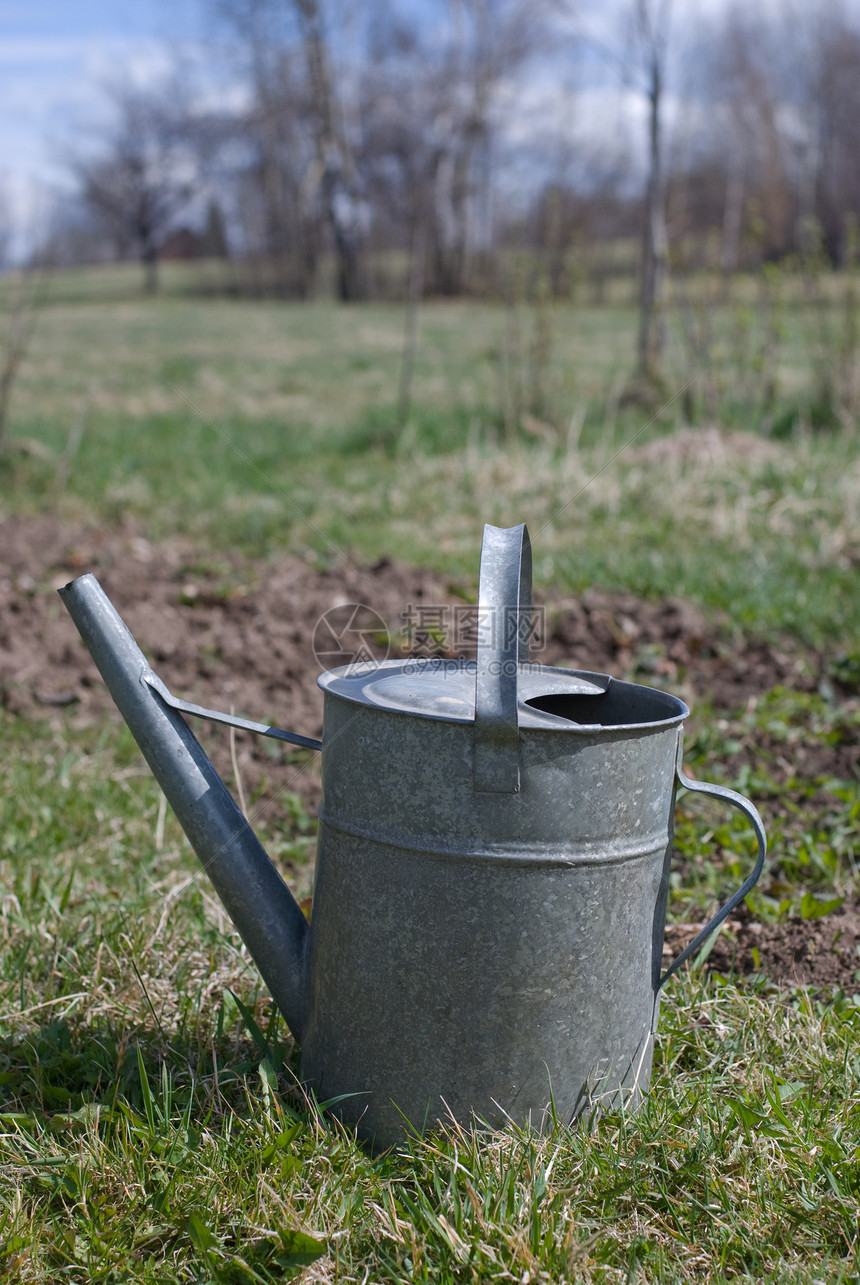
point(766, 532)
point(151, 1127)
point(748, 1174)
point(268, 426)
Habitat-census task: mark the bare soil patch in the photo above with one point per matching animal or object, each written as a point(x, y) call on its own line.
point(794, 952)
point(234, 634)
point(822, 952)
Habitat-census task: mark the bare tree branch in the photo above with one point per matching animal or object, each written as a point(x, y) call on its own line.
point(145, 174)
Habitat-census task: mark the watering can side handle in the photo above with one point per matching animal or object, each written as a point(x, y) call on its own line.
point(504, 612)
point(738, 801)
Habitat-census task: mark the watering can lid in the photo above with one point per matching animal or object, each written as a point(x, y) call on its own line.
point(445, 689)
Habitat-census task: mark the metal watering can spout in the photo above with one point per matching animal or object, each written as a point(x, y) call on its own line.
point(255, 896)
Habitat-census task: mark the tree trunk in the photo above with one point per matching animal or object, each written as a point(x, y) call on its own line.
point(730, 249)
point(338, 184)
point(650, 342)
point(449, 219)
point(25, 304)
point(149, 259)
point(410, 336)
point(452, 187)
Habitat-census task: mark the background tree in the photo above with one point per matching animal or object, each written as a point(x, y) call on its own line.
point(295, 171)
point(144, 174)
point(745, 84)
point(6, 226)
point(338, 177)
point(639, 49)
point(827, 71)
point(268, 150)
point(430, 110)
point(415, 124)
point(778, 130)
point(650, 31)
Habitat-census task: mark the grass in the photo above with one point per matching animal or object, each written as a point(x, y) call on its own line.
point(265, 426)
point(656, 1197)
point(766, 532)
point(151, 1126)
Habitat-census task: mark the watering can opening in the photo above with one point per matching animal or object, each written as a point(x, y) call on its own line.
point(618, 705)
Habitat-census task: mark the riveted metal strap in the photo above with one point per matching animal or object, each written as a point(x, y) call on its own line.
point(504, 618)
point(230, 720)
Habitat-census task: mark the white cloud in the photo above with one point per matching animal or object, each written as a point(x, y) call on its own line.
point(51, 91)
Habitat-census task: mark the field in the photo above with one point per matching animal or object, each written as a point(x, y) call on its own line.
point(233, 469)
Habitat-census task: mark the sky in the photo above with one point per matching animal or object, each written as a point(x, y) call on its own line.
point(55, 57)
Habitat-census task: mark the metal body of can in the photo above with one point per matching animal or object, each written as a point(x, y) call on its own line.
point(489, 953)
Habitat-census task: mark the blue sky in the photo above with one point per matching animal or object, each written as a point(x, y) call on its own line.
point(55, 55)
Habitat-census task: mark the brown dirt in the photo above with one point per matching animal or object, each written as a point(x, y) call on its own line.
point(230, 633)
point(795, 952)
point(671, 644)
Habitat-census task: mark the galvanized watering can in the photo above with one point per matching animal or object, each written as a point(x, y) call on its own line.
point(492, 870)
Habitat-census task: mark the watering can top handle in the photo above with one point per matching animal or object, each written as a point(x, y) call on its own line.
point(738, 801)
point(504, 617)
